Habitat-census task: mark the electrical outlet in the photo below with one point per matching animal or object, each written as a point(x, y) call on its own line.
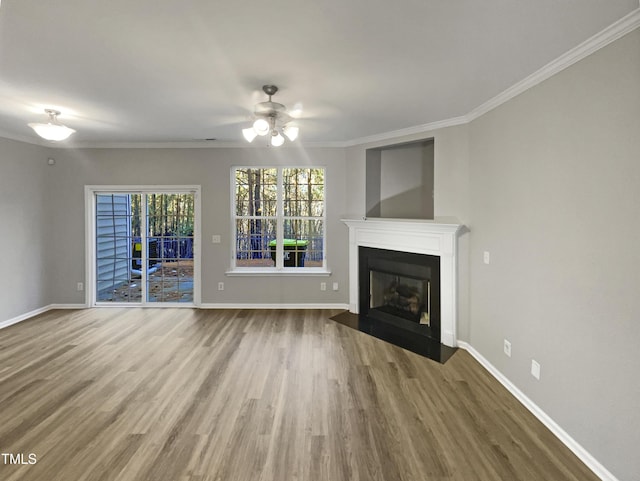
point(323, 286)
point(535, 369)
point(335, 286)
point(486, 257)
point(507, 348)
point(221, 286)
point(215, 239)
point(80, 286)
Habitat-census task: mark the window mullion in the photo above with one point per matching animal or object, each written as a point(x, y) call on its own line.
point(280, 221)
point(144, 262)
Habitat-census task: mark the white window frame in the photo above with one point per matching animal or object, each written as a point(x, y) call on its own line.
point(278, 269)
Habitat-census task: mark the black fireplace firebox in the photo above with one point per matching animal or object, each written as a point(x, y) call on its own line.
point(399, 299)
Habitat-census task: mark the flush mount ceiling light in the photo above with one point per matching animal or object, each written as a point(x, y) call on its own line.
point(272, 119)
point(52, 130)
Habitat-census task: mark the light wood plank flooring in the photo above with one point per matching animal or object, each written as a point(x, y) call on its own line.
point(189, 395)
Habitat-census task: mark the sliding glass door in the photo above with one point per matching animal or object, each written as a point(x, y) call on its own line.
point(144, 247)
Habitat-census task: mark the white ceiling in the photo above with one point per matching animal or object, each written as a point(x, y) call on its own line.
point(148, 71)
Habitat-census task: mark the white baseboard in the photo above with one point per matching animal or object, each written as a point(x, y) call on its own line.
point(223, 305)
point(44, 309)
point(41, 310)
point(591, 462)
point(23, 317)
point(68, 306)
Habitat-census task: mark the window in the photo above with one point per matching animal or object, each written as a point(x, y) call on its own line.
point(279, 219)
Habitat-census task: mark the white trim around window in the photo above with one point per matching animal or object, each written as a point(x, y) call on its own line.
point(278, 218)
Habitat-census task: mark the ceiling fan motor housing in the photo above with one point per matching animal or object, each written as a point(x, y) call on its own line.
point(269, 90)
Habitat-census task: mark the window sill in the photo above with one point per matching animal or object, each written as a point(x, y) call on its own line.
point(272, 271)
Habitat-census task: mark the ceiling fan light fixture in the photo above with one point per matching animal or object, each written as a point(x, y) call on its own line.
point(249, 134)
point(52, 130)
point(271, 117)
point(261, 127)
point(291, 132)
point(276, 139)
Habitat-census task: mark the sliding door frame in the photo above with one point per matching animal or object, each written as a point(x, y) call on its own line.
point(90, 192)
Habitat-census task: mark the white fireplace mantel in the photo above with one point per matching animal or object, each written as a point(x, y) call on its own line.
point(434, 237)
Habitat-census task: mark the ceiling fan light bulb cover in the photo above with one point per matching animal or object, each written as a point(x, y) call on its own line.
point(277, 140)
point(291, 132)
point(249, 134)
point(261, 127)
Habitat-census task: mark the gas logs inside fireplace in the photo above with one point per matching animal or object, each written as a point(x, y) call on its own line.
point(408, 298)
point(401, 296)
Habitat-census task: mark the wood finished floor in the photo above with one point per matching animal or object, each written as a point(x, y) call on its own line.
point(188, 395)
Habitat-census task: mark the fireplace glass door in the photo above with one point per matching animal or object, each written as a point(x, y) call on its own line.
point(401, 296)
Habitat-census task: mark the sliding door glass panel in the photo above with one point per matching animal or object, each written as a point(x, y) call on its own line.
point(170, 225)
point(116, 280)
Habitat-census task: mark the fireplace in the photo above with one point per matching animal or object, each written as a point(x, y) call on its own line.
point(399, 299)
point(401, 289)
point(407, 289)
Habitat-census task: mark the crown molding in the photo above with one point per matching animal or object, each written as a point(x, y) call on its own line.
point(600, 40)
point(418, 129)
point(25, 139)
point(610, 34)
point(196, 144)
point(192, 144)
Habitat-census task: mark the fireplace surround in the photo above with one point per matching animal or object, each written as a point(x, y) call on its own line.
point(432, 238)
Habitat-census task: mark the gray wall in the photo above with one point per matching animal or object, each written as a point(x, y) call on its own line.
point(399, 181)
point(555, 198)
point(26, 242)
point(211, 169)
point(373, 181)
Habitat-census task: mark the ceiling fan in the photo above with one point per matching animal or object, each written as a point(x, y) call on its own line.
point(272, 119)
